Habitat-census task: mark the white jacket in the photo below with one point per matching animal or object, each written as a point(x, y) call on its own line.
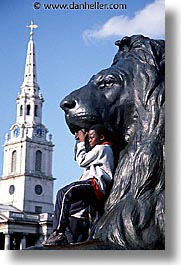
point(98, 164)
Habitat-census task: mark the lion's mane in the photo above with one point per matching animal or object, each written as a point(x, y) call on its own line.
point(134, 211)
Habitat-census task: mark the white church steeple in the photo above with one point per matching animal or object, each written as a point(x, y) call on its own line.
point(30, 100)
point(27, 151)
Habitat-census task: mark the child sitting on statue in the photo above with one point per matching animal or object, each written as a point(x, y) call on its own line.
point(94, 183)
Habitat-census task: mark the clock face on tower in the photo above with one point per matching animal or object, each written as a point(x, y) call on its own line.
point(39, 131)
point(16, 131)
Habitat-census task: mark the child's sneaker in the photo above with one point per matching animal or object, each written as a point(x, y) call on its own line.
point(55, 239)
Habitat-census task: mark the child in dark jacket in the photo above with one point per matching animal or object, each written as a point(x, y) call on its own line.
point(92, 186)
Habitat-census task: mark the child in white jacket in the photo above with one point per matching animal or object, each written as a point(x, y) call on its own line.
point(94, 183)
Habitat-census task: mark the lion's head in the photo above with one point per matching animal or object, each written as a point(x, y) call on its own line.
point(128, 98)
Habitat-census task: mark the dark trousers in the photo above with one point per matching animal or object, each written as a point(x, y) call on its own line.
point(72, 199)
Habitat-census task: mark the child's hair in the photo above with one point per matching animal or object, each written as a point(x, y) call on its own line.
point(101, 130)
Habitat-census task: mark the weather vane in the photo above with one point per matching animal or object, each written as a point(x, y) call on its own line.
point(32, 26)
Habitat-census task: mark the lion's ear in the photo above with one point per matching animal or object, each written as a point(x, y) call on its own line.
point(123, 44)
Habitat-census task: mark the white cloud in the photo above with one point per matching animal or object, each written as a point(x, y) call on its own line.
point(149, 21)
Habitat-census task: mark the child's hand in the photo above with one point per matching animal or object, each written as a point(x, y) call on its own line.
point(81, 135)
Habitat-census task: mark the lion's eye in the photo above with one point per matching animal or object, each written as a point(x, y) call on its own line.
point(109, 83)
point(106, 84)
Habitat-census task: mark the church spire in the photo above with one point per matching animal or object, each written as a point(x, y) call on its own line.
point(30, 77)
point(29, 101)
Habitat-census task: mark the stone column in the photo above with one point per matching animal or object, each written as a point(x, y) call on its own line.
point(7, 242)
point(45, 237)
point(23, 242)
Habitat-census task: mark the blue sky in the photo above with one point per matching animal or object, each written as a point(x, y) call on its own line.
point(71, 46)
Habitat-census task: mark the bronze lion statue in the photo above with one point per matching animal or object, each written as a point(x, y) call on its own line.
point(128, 98)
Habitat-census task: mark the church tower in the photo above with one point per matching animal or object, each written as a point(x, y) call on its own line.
point(27, 181)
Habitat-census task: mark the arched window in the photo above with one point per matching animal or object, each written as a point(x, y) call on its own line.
point(28, 110)
point(13, 161)
point(38, 161)
point(36, 110)
point(21, 110)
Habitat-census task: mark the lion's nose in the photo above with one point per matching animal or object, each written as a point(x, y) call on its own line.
point(67, 105)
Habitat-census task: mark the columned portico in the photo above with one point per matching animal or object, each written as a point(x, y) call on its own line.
point(7, 242)
point(23, 242)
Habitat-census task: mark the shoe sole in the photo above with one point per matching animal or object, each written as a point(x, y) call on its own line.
point(55, 244)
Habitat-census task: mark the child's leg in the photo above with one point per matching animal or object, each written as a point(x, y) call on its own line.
point(76, 191)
